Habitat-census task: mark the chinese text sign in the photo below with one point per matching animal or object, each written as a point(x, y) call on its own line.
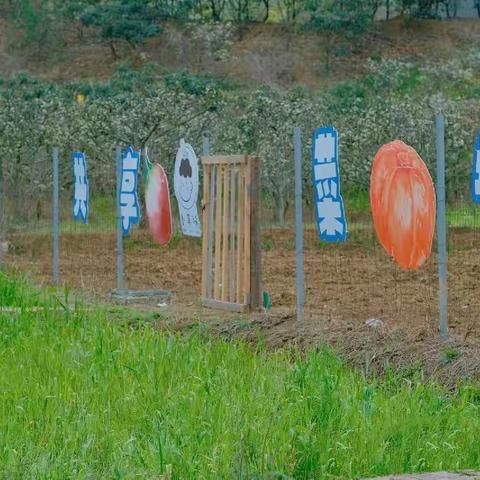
point(129, 206)
point(476, 171)
point(80, 187)
point(329, 208)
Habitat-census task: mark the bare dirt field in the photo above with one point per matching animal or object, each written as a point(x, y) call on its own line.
point(346, 286)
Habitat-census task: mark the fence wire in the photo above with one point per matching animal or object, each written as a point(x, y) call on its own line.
point(346, 284)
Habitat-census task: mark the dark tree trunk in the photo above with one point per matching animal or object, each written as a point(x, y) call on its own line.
point(267, 10)
point(328, 53)
point(215, 12)
point(293, 10)
point(113, 50)
point(281, 208)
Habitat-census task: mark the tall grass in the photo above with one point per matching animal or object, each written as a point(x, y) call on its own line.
point(85, 396)
point(17, 293)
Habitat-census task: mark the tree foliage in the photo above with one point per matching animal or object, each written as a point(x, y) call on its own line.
point(133, 22)
point(141, 108)
point(334, 16)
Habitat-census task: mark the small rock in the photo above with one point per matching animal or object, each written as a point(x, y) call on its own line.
point(374, 323)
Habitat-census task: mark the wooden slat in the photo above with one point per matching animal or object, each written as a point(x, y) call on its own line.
point(233, 207)
point(206, 228)
point(211, 211)
point(224, 159)
point(240, 233)
point(246, 232)
point(218, 234)
point(255, 300)
point(228, 306)
point(225, 233)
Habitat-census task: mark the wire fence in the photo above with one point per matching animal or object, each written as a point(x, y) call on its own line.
point(345, 283)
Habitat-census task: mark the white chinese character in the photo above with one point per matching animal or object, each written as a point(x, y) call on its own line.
point(325, 170)
point(330, 213)
point(327, 188)
point(325, 148)
point(129, 209)
point(128, 181)
point(333, 188)
point(130, 161)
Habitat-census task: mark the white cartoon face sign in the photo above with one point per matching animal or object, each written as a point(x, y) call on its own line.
point(186, 189)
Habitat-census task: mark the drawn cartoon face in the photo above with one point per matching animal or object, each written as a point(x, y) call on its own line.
point(185, 186)
point(186, 177)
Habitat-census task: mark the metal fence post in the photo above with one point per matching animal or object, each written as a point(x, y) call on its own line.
point(206, 146)
point(120, 273)
point(56, 218)
point(300, 277)
point(441, 225)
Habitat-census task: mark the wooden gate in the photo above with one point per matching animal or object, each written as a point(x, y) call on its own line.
point(231, 259)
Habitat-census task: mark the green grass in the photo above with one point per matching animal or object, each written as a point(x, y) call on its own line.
point(16, 293)
point(463, 216)
point(357, 201)
point(84, 396)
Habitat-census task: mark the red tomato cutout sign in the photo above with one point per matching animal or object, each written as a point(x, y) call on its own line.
point(402, 199)
point(157, 200)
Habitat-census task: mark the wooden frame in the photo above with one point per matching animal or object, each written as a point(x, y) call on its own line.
point(231, 254)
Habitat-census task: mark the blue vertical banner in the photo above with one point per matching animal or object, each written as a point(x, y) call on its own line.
point(80, 187)
point(129, 206)
point(329, 209)
point(475, 184)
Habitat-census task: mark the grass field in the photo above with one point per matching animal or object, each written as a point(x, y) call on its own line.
point(102, 217)
point(100, 394)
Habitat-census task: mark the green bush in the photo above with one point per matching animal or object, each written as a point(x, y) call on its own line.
point(195, 84)
point(132, 22)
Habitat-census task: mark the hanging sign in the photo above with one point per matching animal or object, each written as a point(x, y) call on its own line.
point(330, 212)
point(186, 189)
point(402, 198)
point(80, 187)
point(129, 207)
point(157, 202)
point(476, 171)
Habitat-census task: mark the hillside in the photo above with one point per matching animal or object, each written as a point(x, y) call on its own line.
point(263, 53)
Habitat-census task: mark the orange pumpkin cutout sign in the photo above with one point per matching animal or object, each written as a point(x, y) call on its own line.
point(402, 198)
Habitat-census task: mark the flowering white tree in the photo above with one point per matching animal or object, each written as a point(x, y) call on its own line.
point(35, 116)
